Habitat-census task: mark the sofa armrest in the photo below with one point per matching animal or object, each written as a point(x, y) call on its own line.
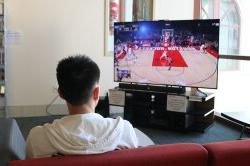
point(229, 153)
point(12, 143)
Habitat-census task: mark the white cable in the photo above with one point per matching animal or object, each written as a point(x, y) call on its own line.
point(50, 104)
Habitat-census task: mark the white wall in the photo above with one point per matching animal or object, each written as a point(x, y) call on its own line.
point(173, 9)
point(41, 32)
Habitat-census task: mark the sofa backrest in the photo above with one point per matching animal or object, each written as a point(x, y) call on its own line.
point(161, 155)
point(229, 153)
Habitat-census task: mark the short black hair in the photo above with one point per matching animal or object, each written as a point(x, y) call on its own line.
point(76, 76)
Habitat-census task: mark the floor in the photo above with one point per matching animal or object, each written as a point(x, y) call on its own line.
point(219, 131)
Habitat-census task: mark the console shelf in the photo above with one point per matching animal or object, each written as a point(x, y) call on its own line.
point(161, 109)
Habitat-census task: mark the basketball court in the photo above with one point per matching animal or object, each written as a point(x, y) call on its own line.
point(183, 70)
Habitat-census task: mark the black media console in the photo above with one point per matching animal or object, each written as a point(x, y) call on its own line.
point(162, 109)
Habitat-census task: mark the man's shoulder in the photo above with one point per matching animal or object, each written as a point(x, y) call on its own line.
point(122, 121)
point(36, 131)
point(38, 144)
point(117, 120)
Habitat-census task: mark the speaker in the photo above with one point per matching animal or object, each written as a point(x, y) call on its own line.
point(156, 88)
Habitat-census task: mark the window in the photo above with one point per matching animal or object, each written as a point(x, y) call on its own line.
point(234, 64)
point(136, 10)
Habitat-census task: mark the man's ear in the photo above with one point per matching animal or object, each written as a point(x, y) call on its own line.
point(96, 93)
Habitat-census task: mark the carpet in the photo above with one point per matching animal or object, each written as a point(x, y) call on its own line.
point(217, 132)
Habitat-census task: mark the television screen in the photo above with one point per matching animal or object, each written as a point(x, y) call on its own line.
point(176, 53)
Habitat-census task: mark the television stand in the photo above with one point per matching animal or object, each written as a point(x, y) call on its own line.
point(155, 88)
point(164, 109)
point(176, 89)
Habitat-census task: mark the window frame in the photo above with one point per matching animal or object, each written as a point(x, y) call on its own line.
point(197, 15)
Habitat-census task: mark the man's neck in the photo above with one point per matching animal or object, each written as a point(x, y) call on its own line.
point(81, 109)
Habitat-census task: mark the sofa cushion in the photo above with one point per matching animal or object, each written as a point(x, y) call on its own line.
point(160, 155)
point(229, 153)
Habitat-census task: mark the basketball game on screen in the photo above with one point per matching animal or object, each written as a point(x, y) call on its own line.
point(182, 53)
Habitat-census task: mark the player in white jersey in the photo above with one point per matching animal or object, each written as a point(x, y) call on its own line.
point(165, 55)
point(130, 53)
point(203, 48)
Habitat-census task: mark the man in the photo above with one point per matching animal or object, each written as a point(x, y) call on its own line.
point(130, 53)
point(164, 55)
point(82, 131)
point(203, 48)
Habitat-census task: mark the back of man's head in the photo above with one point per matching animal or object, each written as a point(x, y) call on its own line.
point(77, 76)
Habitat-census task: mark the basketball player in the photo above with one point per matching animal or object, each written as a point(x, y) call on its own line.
point(167, 58)
point(130, 53)
point(164, 55)
point(119, 74)
point(120, 52)
point(203, 48)
point(190, 41)
point(170, 62)
point(165, 46)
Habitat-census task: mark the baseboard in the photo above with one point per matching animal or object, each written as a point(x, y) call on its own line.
point(36, 110)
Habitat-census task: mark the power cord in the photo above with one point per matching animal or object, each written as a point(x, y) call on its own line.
point(204, 94)
point(197, 92)
point(50, 104)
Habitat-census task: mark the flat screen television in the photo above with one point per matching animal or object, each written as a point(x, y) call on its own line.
point(174, 52)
